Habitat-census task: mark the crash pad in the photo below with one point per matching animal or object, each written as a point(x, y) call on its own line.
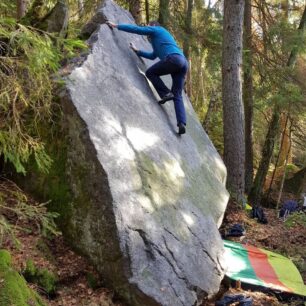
point(255, 266)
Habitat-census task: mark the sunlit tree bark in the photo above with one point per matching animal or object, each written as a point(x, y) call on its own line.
point(248, 95)
point(21, 8)
point(147, 7)
point(233, 114)
point(186, 46)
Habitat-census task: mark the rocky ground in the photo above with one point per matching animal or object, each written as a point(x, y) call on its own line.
point(78, 284)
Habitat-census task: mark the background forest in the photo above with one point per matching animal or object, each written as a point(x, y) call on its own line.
point(272, 80)
point(264, 150)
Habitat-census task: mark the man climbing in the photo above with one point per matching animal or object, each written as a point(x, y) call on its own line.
point(172, 61)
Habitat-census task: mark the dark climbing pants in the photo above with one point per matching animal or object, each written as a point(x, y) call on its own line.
point(177, 66)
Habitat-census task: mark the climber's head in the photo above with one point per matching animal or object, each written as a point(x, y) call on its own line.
point(154, 23)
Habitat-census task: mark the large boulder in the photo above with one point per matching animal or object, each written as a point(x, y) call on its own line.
point(145, 203)
point(297, 183)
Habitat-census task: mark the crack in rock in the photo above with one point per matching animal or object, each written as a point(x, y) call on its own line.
point(151, 247)
point(169, 232)
point(176, 293)
point(217, 264)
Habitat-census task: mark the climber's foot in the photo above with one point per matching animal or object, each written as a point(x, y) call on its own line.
point(169, 96)
point(181, 128)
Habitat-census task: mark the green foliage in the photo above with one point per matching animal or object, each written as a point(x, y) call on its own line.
point(296, 219)
point(92, 280)
point(299, 260)
point(30, 270)
point(32, 56)
point(291, 169)
point(13, 287)
point(7, 8)
point(43, 247)
point(5, 258)
point(42, 277)
point(47, 280)
point(15, 209)
point(26, 90)
point(25, 97)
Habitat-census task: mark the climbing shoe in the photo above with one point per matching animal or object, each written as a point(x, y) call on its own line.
point(181, 128)
point(169, 96)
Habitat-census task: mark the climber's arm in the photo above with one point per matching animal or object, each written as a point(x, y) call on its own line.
point(133, 28)
point(148, 55)
point(136, 29)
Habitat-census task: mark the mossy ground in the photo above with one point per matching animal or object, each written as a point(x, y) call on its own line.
point(44, 278)
point(77, 282)
point(13, 287)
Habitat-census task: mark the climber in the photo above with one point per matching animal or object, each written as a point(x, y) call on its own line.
point(172, 61)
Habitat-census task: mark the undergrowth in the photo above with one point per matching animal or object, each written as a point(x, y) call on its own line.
point(297, 218)
point(29, 60)
point(18, 213)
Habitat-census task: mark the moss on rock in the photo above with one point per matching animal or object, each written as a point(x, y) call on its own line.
point(13, 287)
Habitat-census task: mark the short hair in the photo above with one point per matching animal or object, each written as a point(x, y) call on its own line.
point(154, 23)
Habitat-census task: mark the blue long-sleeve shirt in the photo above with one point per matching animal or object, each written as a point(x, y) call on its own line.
point(162, 41)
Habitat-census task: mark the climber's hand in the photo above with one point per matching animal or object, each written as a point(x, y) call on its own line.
point(111, 24)
point(133, 47)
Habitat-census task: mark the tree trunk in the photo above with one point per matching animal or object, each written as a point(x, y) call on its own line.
point(202, 88)
point(285, 8)
point(147, 7)
point(189, 79)
point(263, 23)
point(294, 52)
point(267, 151)
point(286, 141)
point(35, 13)
point(135, 10)
point(211, 106)
point(186, 44)
point(21, 8)
point(164, 12)
point(284, 175)
point(233, 114)
point(284, 128)
point(81, 8)
point(188, 27)
point(248, 96)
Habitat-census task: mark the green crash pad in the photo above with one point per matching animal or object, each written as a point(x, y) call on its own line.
point(255, 266)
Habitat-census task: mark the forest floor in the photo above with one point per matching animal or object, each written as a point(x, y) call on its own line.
point(277, 236)
point(78, 284)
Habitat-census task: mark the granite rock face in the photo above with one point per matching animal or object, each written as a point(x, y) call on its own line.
point(146, 202)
